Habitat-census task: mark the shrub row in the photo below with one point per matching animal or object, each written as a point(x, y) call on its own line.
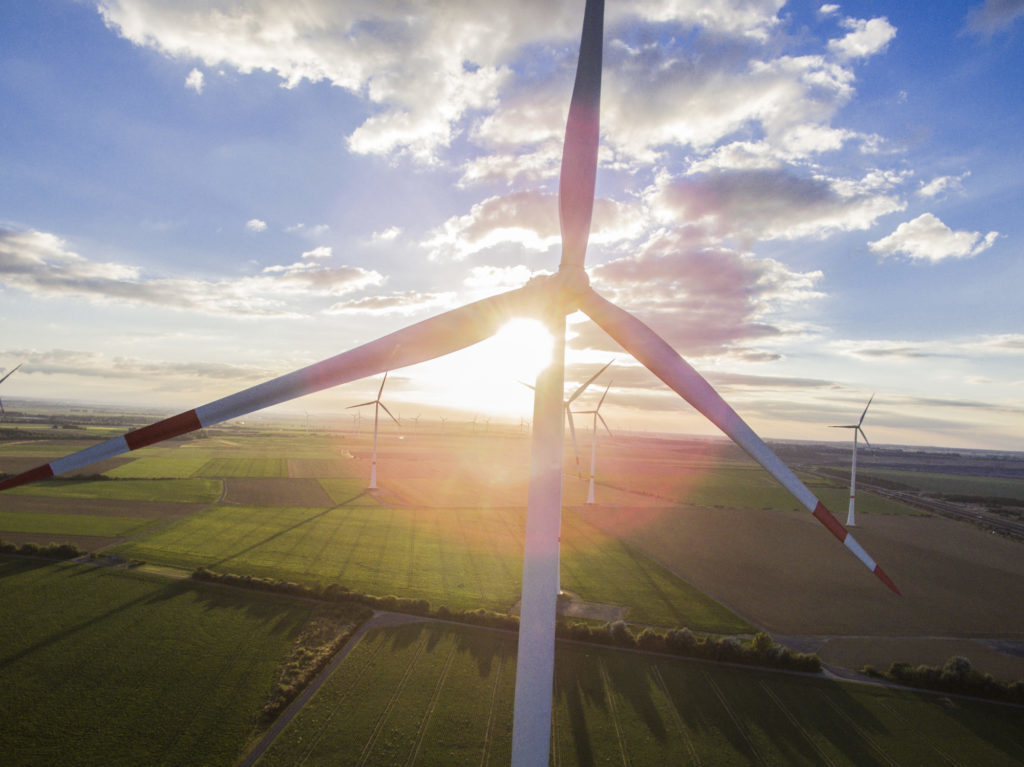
point(50, 550)
point(955, 676)
point(324, 634)
point(759, 651)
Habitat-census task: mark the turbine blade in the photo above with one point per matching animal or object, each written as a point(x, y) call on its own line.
point(579, 152)
point(9, 372)
point(389, 413)
point(865, 410)
point(531, 387)
point(865, 436)
point(423, 341)
point(575, 447)
point(605, 424)
point(380, 391)
point(362, 404)
point(662, 360)
point(589, 381)
point(601, 401)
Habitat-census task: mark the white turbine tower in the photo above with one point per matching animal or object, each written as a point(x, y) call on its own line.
point(548, 298)
point(853, 466)
point(596, 412)
point(8, 375)
point(567, 405)
point(377, 405)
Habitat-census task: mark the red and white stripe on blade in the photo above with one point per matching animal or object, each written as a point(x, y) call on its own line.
point(423, 341)
point(662, 360)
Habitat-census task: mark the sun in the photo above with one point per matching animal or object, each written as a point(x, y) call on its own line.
point(521, 349)
point(487, 378)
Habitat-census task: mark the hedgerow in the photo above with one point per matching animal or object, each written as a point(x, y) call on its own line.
point(759, 651)
point(50, 550)
point(955, 676)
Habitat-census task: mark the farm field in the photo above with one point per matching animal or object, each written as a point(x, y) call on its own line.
point(461, 558)
point(684, 532)
point(106, 666)
point(952, 484)
point(432, 694)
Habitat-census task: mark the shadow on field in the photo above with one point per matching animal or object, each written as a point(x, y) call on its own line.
point(286, 530)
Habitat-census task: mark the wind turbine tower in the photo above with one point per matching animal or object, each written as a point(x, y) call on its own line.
point(377, 405)
point(596, 412)
point(853, 466)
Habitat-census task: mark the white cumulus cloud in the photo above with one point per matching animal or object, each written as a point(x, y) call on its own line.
point(926, 238)
point(256, 225)
point(195, 81)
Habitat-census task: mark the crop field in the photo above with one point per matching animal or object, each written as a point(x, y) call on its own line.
point(952, 484)
point(426, 694)
point(72, 524)
point(104, 666)
point(461, 558)
point(179, 490)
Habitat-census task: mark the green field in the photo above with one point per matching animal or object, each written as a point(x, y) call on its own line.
point(951, 484)
point(751, 487)
point(73, 524)
point(178, 490)
point(440, 695)
point(461, 558)
point(104, 666)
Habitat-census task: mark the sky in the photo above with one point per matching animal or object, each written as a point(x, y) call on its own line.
point(813, 203)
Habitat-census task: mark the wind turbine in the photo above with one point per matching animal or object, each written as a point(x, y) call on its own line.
point(8, 375)
point(596, 412)
point(567, 404)
point(548, 298)
point(377, 405)
point(853, 466)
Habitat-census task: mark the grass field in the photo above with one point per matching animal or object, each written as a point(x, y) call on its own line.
point(101, 666)
point(461, 558)
point(73, 524)
point(177, 490)
point(427, 694)
point(951, 484)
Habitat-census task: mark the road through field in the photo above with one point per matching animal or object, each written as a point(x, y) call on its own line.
point(379, 620)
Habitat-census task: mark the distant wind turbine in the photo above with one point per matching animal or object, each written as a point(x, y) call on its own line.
point(567, 405)
point(377, 405)
point(549, 298)
point(596, 412)
point(853, 466)
point(8, 375)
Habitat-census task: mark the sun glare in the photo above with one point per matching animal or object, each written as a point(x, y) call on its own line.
point(521, 349)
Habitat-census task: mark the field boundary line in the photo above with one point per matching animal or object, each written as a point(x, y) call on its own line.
point(660, 681)
point(902, 720)
point(613, 710)
point(429, 713)
point(399, 689)
point(735, 719)
point(490, 711)
point(860, 731)
point(796, 723)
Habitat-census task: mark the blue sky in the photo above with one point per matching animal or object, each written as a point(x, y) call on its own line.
point(811, 202)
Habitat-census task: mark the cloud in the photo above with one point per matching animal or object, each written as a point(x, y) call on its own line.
point(388, 235)
point(97, 365)
point(829, 9)
point(41, 263)
point(312, 232)
point(703, 299)
point(766, 204)
point(993, 15)
point(195, 81)
point(256, 225)
point(409, 302)
point(866, 38)
point(526, 220)
point(941, 184)
point(926, 238)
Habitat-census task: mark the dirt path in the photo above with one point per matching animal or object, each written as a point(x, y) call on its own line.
point(379, 620)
